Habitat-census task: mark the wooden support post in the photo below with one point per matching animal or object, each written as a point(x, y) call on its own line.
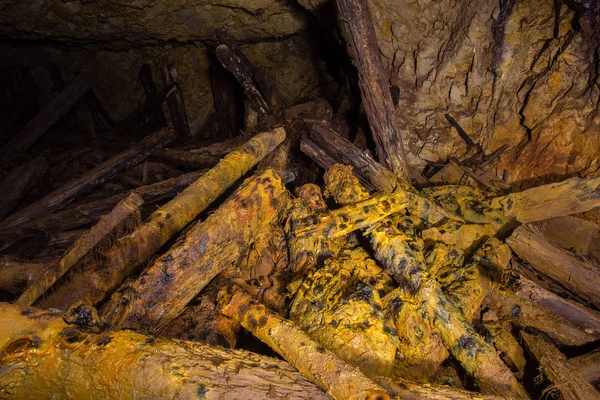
point(577, 276)
point(166, 287)
point(18, 182)
point(97, 176)
point(157, 115)
point(224, 94)
point(43, 356)
point(83, 245)
point(131, 251)
point(50, 114)
point(243, 75)
point(176, 105)
point(374, 85)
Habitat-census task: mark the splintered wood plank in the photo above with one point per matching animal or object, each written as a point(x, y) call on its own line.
point(578, 276)
point(50, 114)
point(94, 178)
point(374, 84)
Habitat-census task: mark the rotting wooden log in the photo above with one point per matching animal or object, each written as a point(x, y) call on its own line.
point(507, 345)
point(243, 75)
point(126, 209)
point(18, 182)
point(16, 275)
point(526, 314)
point(48, 116)
point(345, 152)
point(566, 380)
point(588, 365)
point(322, 157)
point(164, 289)
point(131, 251)
point(97, 176)
point(176, 105)
point(338, 379)
point(584, 317)
point(577, 276)
point(374, 85)
point(569, 233)
point(157, 115)
point(570, 196)
point(407, 266)
point(42, 355)
point(224, 94)
point(87, 213)
point(334, 376)
point(186, 159)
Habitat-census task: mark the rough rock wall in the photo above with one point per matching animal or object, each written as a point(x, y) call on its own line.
point(112, 39)
point(516, 72)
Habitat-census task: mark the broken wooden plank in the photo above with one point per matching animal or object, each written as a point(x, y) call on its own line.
point(345, 152)
point(244, 77)
point(585, 318)
point(566, 380)
point(131, 251)
point(49, 356)
point(164, 289)
point(186, 159)
point(374, 85)
point(68, 192)
point(524, 314)
point(570, 196)
point(18, 182)
point(156, 115)
point(577, 276)
point(50, 114)
point(126, 209)
point(176, 105)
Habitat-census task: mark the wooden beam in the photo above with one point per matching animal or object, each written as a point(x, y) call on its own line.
point(176, 105)
point(374, 85)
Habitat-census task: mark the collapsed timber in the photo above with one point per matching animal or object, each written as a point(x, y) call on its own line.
point(364, 288)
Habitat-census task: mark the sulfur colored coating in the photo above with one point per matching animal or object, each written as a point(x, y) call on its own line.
point(306, 252)
point(509, 348)
point(566, 379)
point(42, 357)
point(131, 251)
point(339, 305)
point(476, 356)
point(128, 207)
point(164, 289)
point(341, 381)
point(351, 217)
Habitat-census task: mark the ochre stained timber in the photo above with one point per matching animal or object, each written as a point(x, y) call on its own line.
point(164, 289)
point(43, 357)
point(408, 267)
point(127, 208)
point(128, 253)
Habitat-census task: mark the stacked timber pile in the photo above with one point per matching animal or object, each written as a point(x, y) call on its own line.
point(139, 270)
